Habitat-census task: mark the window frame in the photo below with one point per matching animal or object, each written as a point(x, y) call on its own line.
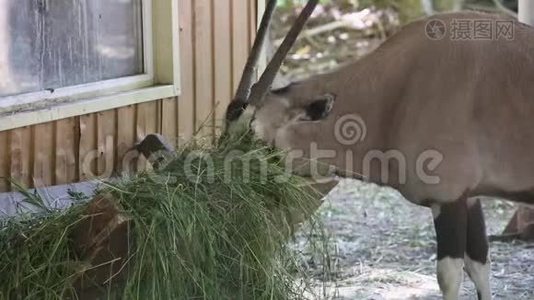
point(161, 78)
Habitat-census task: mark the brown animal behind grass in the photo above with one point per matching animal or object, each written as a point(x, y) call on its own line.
point(438, 116)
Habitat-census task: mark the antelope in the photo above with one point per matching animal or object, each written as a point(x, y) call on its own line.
point(465, 105)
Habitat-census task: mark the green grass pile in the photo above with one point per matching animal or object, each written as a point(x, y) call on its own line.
point(211, 224)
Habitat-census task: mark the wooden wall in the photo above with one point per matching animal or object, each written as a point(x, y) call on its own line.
point(216, 36)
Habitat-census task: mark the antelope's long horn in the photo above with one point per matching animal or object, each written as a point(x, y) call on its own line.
point(262, 87)
point(247, 79)
point(243, 90)
point(248, 92)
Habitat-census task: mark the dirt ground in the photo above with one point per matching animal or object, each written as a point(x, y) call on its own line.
point(384, 248)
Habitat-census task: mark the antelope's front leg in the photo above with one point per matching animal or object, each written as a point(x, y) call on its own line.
point(450, 222)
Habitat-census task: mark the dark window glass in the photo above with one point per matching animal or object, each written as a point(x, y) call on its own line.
point(48, 44)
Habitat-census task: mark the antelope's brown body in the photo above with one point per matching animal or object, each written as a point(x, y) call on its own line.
point(471, 100)
point(442, 118)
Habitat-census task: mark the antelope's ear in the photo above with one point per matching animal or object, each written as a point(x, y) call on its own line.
point(319, 108)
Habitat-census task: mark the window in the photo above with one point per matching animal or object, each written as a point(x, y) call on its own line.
point(56, 53)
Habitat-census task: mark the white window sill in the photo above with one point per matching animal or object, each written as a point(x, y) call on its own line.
point(66, 109)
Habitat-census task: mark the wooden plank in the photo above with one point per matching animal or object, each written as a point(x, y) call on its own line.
point(252, 17)
point(43, 155)
point(126, 160)
point(66, 151)
point(4, 161)
point(169, 124)
point(260, 9)
point(88, 152)
point(203, 67)
point(186, 101)
point(223, 60)
point(147, 123)
point(240, 39)
point(20, 145)
point(106, 143)
point(159, 107)
point(147, 119)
